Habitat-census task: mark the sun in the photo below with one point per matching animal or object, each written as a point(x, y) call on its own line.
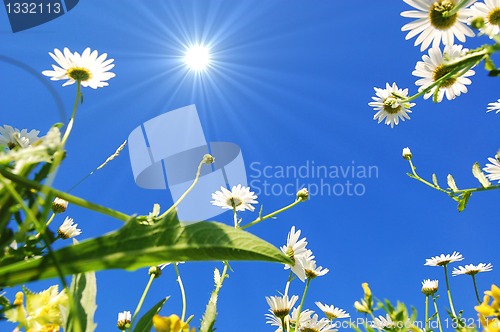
point(197, 58)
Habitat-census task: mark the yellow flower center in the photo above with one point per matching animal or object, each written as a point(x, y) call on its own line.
point(437, 14)
point(79, 74)
point(280, 313)
point(391, 105)
point(494, 17)
point(439, 72)
point(308, 329)
point(234, 201)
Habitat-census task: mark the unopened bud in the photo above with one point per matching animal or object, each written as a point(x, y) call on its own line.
point(477, 23)
point(407, 154)
point(303, 194)
point(59, 205)
point(208, 159)
point(155, 270)
point(123, 322)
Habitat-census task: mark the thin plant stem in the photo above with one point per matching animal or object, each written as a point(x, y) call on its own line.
point(306, 288)
point(198, 172)
point(437, 314)
point(183, 293)
point(449, 291)
point(141, 301)
point(69, 127)
point(426, 312)
point(70, 198)
point(46, 224)
point(270, 215)
point(290, 277)
point(475, 288)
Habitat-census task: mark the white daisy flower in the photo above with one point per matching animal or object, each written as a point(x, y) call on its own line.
point(494, 107)
point(390, 105)
point(383, 322)
point(295, 248)
point(493, 169)
point(489, 11)
point(88, 68)
point(433, 67)
point(272, 320)
point(429, 287)
point(305, 316)
point(432, 26)
point(281, 305)
point(316, 325)
point(68, 230)
point(331, 312)
point(124, 319)
point(12, 137)
point(310, 268)
point(472, 269)
point(240, 197)
point(442, 259)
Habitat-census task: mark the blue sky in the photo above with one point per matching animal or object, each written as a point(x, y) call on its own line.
point(290, 85)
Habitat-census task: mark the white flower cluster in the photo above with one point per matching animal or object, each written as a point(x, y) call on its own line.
point(438, 22)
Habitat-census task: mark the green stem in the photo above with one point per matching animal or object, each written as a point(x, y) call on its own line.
point(451, 193)
point(141, 301)
point(426, 313)
point(449, 292)
point(198, 172)
point(290, 278)
point(270, 215)
point(183, 293)
point(70, 198)
point(73, 114)
point(306, 288)
point(455, 9)
point(437, 314)
point(475, 288)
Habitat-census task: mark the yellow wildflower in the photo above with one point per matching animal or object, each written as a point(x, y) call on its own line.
point(171, 323)
point(42, 312)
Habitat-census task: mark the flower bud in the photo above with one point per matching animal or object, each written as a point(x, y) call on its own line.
point(303, 194)
point(155, 270)
point(123, 322)
point(208, 159)
point(59, 205)
point(477, 23)
point(429, 287)
point(407, 154)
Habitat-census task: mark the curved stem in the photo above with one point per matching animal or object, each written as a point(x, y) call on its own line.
point(141, 301)
point(270, 215)
point(290, 277)
point(73, 114)
point(437, 314)
point(183, 293)
point(306, 288)
point(475, 288)
point(449, 292)
point(198, 172)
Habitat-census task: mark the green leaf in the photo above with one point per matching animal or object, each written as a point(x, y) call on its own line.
point(137, 245)
point(451, 182)
point(84, 291)
point(435, 180)
point(489, 65)
point(146, 322)
point(463, 201)
point(479, 175)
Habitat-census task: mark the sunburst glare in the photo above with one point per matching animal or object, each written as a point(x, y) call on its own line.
point(197, 58)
